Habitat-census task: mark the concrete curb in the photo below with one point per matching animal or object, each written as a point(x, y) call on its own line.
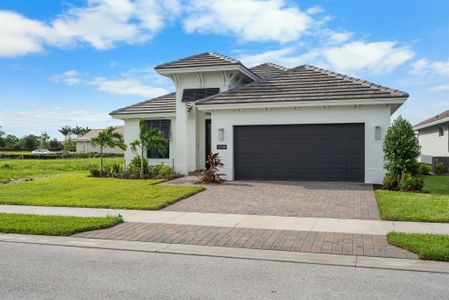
point(241, 253)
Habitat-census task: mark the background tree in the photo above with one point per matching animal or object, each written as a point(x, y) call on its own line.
point(80, 131)
point(12, 142)
point(43, 140)
point(2, 139)
point(149, 139)
point(66, 131)
point(29, 142)
point(55, 145)
point(107, 138)
point(401, 148)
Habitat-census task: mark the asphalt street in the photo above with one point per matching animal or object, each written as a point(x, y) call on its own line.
point(54, 272)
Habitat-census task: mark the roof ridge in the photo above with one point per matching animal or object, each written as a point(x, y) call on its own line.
point(141, 102)
point(276, 66)
point(356, 80)
point(432, 118)
point(225, 57)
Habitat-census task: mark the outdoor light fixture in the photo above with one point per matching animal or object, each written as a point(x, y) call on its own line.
point(221, 134)
point(377, 133)
point(189, 107)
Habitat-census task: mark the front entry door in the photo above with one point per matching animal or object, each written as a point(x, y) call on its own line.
point(208, 138)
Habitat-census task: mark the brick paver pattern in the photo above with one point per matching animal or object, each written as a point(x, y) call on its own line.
point(282, 240)
point(290, 199)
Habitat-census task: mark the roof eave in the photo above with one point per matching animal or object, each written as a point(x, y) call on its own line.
point(430, 124)
point(393, 103)
point(127, 116)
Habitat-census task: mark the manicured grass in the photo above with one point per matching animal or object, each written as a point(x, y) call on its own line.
point(53, 225)
point(24, 168)
point(421, 207)
point(79, 190)
point(426, 246)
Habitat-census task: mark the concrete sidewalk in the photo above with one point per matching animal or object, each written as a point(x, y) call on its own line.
point(352, 226)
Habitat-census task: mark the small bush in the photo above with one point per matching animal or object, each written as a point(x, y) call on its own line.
point(439, 168)
point(210, 174)
point(390, 182)
point(134, 167)
point(424, 169)
point(116, 171)
point(410, 183)
point(94, 171)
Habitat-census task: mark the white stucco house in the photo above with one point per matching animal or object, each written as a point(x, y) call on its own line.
point(433, 136)
point(268, 122)
point(84, 145)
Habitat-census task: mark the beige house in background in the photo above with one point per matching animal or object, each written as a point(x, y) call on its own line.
point(84, 144)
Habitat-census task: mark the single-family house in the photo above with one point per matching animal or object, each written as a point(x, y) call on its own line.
point(433, 136)
point(267, 122)
point(84, 144)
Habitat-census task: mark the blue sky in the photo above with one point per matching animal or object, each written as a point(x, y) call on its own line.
point(72, 62)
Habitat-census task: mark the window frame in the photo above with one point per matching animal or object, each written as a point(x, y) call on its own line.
point(165, 130)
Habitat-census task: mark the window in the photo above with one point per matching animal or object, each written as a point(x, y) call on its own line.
point(191, 95)
point(163, 126)
point(441, 131)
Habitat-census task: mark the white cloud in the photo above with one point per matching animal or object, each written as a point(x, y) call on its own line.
point(250, 20)
point(378, 57)
point(439, 88)
point(287, 57)
point(420, 67)
point(127, 87)
point(101, 24)
point(71, 77)
point(315, 10)
point(441, 67)
point(19, 35)
point(50, 119)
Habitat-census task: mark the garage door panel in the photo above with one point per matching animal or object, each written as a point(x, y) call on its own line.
point(331, 152)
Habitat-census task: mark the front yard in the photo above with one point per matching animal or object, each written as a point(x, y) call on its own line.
point(53, 225)
point(79, 190)
point(431, 206)
point(427, 246)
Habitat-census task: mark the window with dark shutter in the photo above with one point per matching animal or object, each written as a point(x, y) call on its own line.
point(163, 126)
point(191, 95)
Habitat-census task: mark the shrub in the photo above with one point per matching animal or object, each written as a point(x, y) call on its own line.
point(134, 167)
point(424, 169)
point(210, 174)
point(162, 171)
point(410, 183)
point(390, 182)
point(439, 167)
point(94, 171)
point(6, 167)
point(116, 171)
point(401, 148)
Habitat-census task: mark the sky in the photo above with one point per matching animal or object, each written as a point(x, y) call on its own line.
point(72, 62)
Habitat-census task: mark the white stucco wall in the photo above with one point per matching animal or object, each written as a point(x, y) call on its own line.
point(131, 132)
point(87, 147)
point(371, 116)
point(431, 143)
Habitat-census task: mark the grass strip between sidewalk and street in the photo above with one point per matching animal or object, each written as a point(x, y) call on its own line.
point(426, 246)
point(80, 190)
point(53, 225)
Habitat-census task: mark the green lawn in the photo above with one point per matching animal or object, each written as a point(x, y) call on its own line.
point(53, 225)
point(432, 206)
point(427, 246)
point(79, 190)
point(24, 168)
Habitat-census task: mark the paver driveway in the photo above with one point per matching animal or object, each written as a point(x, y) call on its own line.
point(278, 198)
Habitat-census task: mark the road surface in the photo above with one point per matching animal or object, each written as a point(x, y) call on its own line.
point(53, 272)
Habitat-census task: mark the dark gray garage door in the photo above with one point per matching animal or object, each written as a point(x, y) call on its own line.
point(326, 152)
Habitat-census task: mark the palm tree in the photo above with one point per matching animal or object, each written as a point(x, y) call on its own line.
point(150, 139)
point(80, 131)
point(44, 138)
point(107, 138)
point(65, 131)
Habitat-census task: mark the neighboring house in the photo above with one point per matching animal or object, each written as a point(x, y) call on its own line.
point(268, 122)
point(84, 144)
point(433, 135)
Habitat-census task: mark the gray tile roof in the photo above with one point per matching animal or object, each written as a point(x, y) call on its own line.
point(204, 59)
point(267, 70)
point(94, 132)
point(304, 83)
point(438, 117)
point(162, 104)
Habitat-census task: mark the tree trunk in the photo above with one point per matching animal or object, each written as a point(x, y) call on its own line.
point(141, 162)
point(101, 160)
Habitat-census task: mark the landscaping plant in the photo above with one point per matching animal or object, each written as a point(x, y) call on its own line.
point(401, 148)
point(150, 139)
point(107, 138)
point(210, 174)
point(439, 167)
